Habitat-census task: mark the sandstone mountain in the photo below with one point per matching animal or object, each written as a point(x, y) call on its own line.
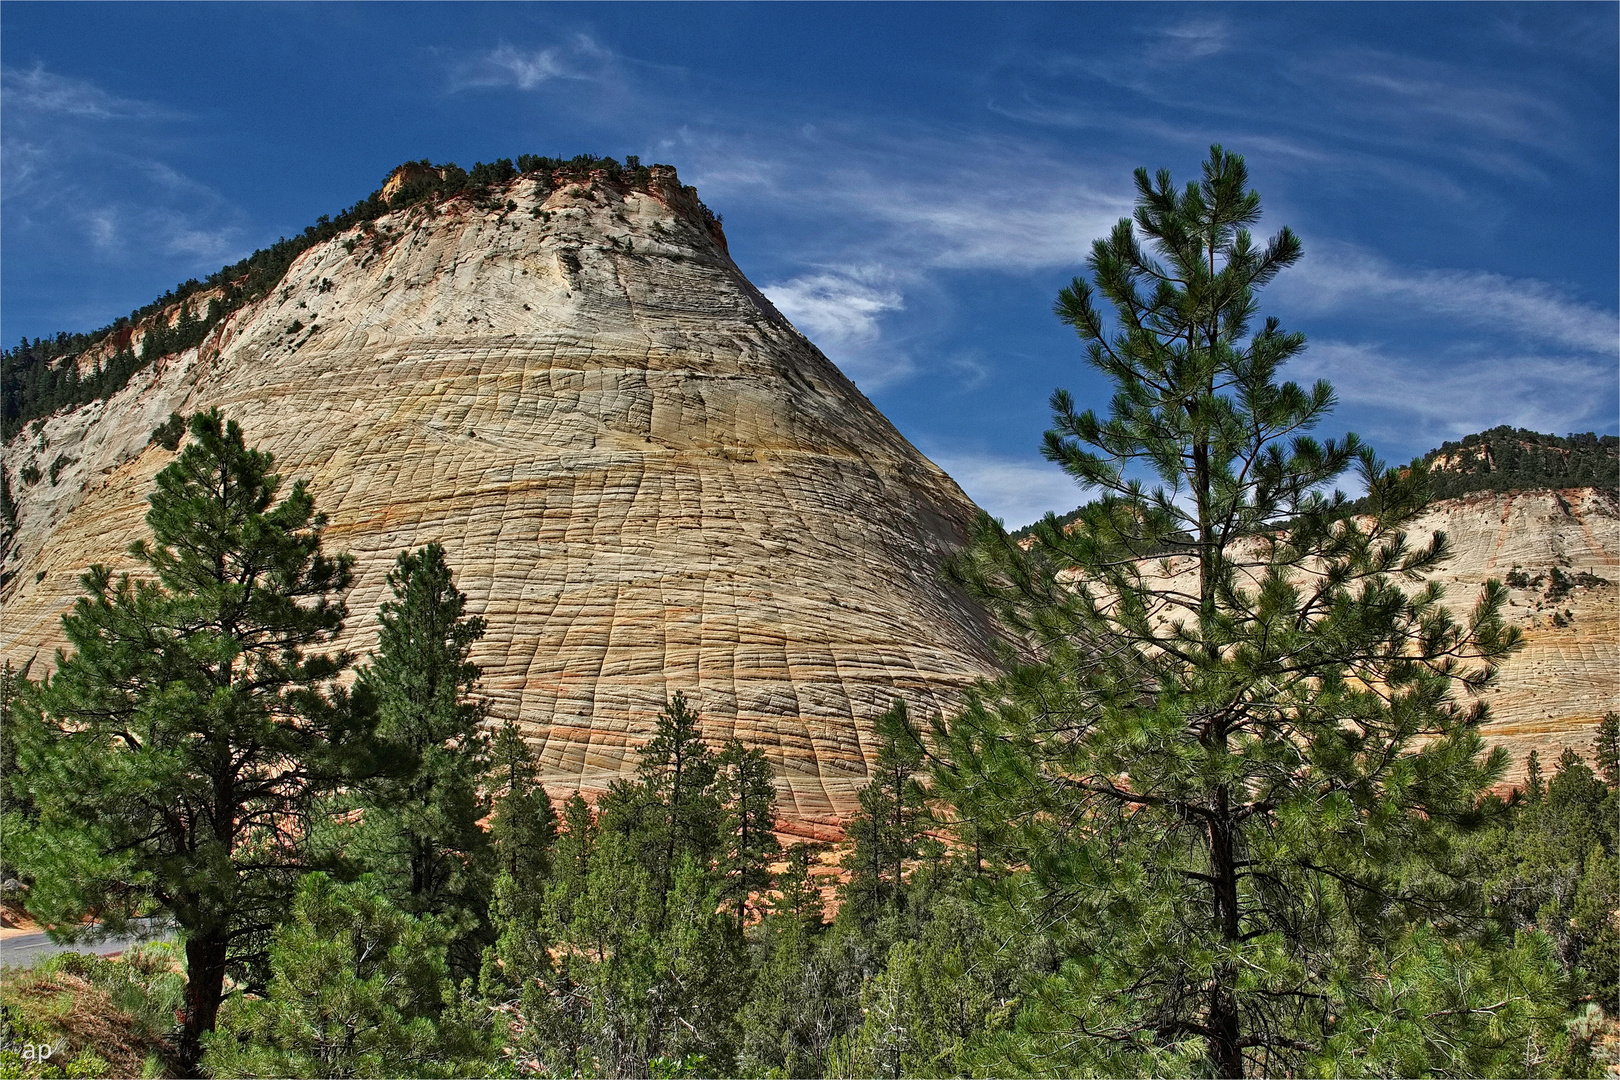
point(645, 478)
point(1558, 551)
point(647, 481)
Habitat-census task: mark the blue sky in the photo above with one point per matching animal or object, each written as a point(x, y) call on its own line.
point(911, 183)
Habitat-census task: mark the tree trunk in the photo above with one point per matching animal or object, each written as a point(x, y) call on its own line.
point(205, 986)
point(1224, 1023)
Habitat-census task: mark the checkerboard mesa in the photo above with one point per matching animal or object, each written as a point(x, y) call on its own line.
point(646, 480)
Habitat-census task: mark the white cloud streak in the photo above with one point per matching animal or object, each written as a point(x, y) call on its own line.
point(581, 58)
point(63, 137)
point(1016, 490)
point(1193, 40)
point(43, 93)
point(1409, 94)
point(897, 234)
point(960, 225)
point(1450, 396)
point(840, 312)
point(839, 308)
point(1344, 278)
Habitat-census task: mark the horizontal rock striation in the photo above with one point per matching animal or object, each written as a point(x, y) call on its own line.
point(645, 478)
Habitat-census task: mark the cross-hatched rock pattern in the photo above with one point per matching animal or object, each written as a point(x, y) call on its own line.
point(646, 480)
point(1559, 554)
point(1550, 695)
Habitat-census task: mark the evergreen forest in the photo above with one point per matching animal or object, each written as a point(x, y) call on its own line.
point(1513, 459)
point(1238, 823)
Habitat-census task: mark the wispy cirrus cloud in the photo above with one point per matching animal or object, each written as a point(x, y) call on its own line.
point(1018, 490)
point(961, 203)
point(63, 138)
point(1342, 277)
point(1404, 94)
point(1193, 39)
point(37, 92)
point(1439, 395)
point(878, 241)
point(956, 224)
point(580, 58)
point(840, 312)
point(839, 307)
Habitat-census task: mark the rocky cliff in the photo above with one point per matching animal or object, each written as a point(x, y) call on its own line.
point(645, 478)
point(648, 481)
point(1559, 553)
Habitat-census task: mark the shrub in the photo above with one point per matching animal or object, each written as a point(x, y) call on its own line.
point(169, 433)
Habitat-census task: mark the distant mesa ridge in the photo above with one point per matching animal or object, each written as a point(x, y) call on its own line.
point(645, 478)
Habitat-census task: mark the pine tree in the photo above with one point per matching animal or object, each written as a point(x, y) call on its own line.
point(524, 832)
point(1227, 766)
point(748, 837)
point(1606, 749)
point(525, 825)
point(176, 753)
point(672, 809)
point(421, 829)
point(644, 964)
point(357, 988)
point(798, 898)
point(1535, 788)
point(890, 824)
point(1554, 868)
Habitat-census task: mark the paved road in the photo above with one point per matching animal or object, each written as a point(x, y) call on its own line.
point(26, 948)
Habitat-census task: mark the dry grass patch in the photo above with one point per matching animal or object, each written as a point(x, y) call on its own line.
point(101, 1017)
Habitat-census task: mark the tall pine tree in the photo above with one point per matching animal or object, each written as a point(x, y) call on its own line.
point(889, 827)
point(1227, 771)
point(747, 830)
point(422, 826)
point(672, 810)
point(524, 832)
point(175, 754)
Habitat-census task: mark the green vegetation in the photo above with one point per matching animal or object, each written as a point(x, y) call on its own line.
point(1508, 459)
point(1551, 864)
point(357, 988)
point(39, 377)
point(419, 828)
point(96, 1017)
point(172, 752)
point(1501, 459)
point(1231, 823)
point(169, 433)
point(1240, 793)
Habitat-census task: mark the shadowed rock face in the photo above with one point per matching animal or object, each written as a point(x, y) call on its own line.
point(645, 478)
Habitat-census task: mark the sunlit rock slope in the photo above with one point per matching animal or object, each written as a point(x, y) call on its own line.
point(646, 479)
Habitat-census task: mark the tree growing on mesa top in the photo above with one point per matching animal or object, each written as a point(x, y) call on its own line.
point(1227, 772)
point(421, 828)
point(175, 754)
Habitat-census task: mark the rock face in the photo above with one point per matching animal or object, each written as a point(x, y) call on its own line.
point(647, 481)
point(1559, 553)
point(645, 478)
